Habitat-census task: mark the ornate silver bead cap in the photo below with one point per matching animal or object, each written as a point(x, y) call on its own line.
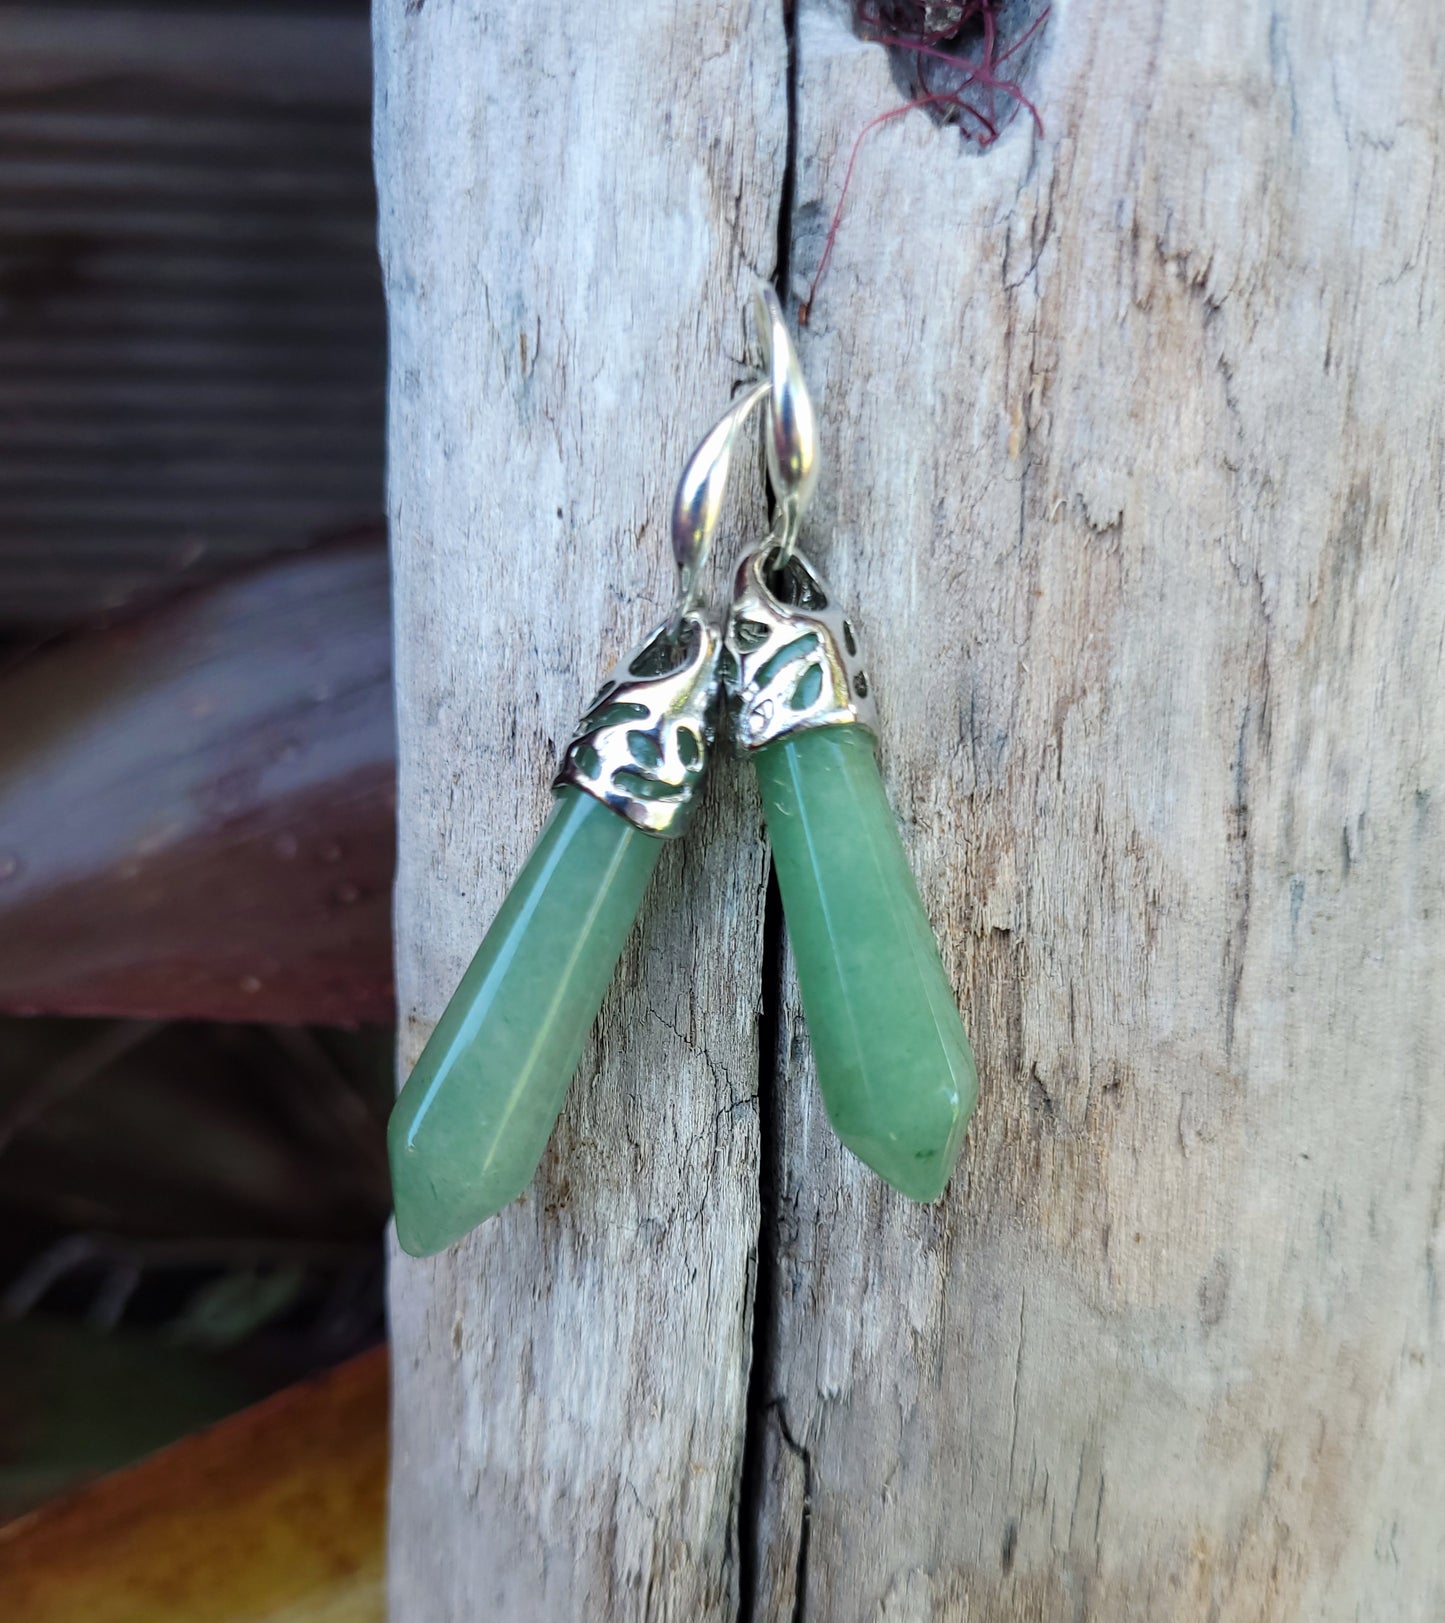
point(790, 660)
point(643, 744)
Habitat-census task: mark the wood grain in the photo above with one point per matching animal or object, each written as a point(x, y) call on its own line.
point(1133, 474)
point(1138, 427)
point(571, 220)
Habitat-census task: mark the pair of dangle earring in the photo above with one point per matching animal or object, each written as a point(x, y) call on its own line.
point(892, 1060)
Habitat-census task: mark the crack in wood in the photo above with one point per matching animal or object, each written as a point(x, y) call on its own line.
point(761, 1406)
point(753, 1487)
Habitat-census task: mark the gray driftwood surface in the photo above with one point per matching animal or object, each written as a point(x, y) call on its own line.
point(1134, 478)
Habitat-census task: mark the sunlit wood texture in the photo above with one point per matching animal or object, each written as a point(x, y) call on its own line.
point(571, 220)
point(1136, 481)
point(191, 326)
point(1134, 475)
point(276, 1516)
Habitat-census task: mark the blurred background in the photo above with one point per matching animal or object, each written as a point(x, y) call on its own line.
point(196, 752)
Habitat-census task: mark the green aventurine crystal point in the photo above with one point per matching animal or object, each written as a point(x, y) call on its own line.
point(470, 1126)
point(894, 1066)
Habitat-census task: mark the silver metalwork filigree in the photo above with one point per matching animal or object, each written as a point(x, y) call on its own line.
point(643, 744)
point(790, 658)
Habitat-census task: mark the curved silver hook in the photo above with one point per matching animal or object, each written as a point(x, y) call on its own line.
point(792, 431)
point(791, 438)
point(697, 505)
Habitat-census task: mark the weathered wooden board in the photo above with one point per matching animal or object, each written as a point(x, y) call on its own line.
point(572, 217)
point(1134, 474)
point(1136, 480)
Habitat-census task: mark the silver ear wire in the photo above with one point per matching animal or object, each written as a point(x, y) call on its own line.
point(697, 505)
point(792, 425)
point(790, 436)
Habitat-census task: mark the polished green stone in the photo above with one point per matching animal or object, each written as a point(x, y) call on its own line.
point(470, 1126)
point(893, 1063)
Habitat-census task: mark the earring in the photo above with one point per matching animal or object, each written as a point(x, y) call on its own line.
point(893, 1063)
point(469, 1127)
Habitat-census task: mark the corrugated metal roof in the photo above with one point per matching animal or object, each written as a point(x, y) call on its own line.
point(192, 343)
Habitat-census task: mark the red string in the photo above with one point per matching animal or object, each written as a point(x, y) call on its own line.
point(977, 74)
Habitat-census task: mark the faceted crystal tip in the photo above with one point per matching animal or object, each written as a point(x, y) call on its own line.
point(471, 1124)
point(894, 1066)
